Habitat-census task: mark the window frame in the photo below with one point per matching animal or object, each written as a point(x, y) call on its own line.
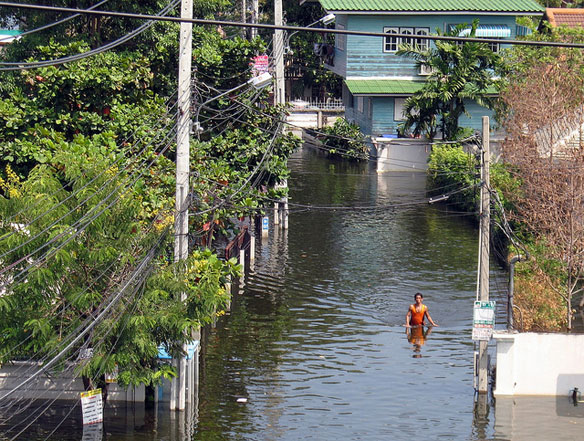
point(360, 105)
point(391, 43)
point(399, 116)
point(422, 43)
point(404, 40)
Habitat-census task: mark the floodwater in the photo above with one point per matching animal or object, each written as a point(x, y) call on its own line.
point(314, 347)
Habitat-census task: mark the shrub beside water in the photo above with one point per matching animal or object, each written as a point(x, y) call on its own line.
point(345, 140)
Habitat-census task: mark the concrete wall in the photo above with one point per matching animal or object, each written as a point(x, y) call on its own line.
point(64, 386)
point(539, 364)
point(312, 118)
point(402, 154)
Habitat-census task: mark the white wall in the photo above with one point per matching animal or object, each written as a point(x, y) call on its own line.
point(539, 364)
point(402, 154)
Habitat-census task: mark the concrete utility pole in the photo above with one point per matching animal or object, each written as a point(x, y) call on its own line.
point(485, 223)
point(181, 221)
point(279, 97)
point(255, 10)
point(244, 18)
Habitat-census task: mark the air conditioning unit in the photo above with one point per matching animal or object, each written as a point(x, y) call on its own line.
point(425, 70)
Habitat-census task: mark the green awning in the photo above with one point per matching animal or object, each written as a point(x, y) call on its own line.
point(383, 87)
point(391, 87)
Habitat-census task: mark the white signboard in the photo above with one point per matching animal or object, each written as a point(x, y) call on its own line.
point(483, 320)
point(265, 225)
point(92, 406)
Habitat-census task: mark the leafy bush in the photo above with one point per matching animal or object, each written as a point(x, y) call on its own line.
point(345, 140)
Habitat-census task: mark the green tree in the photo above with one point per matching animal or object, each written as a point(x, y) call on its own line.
point(345, 140)
point(68, 253)
point(459, 72)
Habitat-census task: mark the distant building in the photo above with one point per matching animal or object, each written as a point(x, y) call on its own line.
point(376, 80)
point(7, 36)
point(569, 17)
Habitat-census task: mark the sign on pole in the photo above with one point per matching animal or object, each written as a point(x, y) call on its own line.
point(483, 320)
point(92, 406)
point(260, 64)
point(265, 225)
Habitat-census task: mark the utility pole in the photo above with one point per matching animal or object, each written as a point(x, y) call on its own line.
point(279, 97)
point(485, 223)
point(255, 10)
point(244, 18)
point(181, 220)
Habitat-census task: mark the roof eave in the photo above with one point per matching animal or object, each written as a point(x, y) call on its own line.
point(404, 12)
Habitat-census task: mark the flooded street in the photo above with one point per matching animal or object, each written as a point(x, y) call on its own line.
point(314, 346)
point(316, 342)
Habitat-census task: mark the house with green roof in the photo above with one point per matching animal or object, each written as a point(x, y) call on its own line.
point(376, 80)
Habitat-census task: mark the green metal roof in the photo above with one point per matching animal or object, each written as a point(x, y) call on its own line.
point(383, 87)
point(391, 87)
point(520, 6)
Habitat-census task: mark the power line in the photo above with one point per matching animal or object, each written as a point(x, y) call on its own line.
point(104, 48)
point(56, 23)
point(201, 21)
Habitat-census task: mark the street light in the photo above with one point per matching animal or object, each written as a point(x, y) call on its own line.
point(326, 20)
point(258, 82)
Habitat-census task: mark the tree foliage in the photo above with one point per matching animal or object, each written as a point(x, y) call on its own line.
point(345, 140)
point(543, 108)
point(95, 137)
point(459, 73)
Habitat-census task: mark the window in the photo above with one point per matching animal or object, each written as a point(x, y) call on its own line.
point(398, 109)
point(360, 104)
point(392, 42)
point(407, 31)
point(422, 43)
point(495, 47)
point(340, 39)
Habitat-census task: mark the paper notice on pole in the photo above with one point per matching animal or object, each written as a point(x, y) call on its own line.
point(93, 432)
point(92, 406)
point(483, 320)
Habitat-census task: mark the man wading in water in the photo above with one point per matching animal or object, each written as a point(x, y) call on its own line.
point(415, 324)
point(417, 313)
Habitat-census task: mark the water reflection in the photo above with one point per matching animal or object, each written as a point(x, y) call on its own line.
point(538, 418)
point(417, 336)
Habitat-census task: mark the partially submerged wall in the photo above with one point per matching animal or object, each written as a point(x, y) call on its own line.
point(64, 386)
point(539, 364)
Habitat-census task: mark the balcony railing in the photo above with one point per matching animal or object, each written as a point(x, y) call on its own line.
point(330, 104)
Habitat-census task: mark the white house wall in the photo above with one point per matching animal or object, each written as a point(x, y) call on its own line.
point(539, 364)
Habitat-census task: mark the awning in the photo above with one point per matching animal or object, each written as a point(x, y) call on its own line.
point(383, 87)
point(398, 88)
point(492, 31)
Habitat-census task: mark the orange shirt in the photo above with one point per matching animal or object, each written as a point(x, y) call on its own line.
point(417, 318)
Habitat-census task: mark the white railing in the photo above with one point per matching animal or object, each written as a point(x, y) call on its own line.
point(329, 104)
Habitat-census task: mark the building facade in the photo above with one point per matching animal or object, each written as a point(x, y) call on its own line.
point(376, 80)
